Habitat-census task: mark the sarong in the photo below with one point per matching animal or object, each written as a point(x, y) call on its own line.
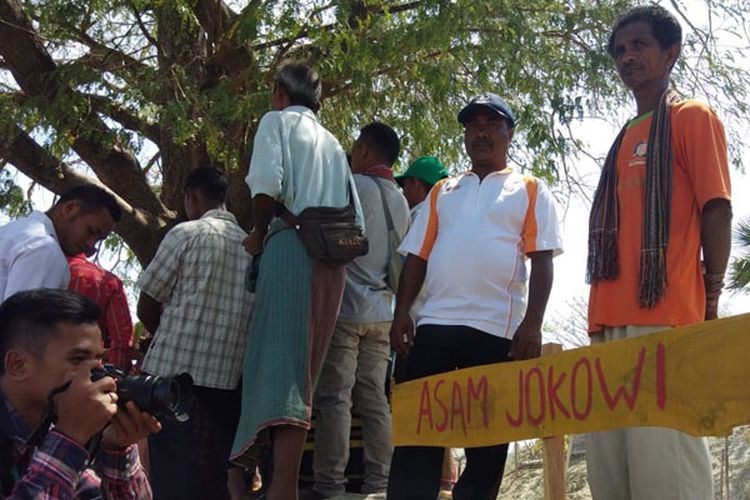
point(296, 306)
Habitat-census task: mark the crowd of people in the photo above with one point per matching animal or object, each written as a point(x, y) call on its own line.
point(457, 274)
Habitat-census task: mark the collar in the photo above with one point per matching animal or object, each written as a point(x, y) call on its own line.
point(416, 208)
point(219, 213)
point(381, 170)
point(504, 171)
point(11, 423)
point(46, 222)
point(78, 259)
point(303, 110)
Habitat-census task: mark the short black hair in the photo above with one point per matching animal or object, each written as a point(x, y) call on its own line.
point(29, 319)
point(210, 181)
point(383, 138)
point(301, 83)
point(92, 199)
point(664, 26)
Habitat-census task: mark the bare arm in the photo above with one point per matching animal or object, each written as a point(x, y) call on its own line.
point(149, 312)
point(527, 341)
point(716, 242)
point(409, 285)
point(263, 209)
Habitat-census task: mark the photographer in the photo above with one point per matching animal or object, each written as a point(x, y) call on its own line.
point(47, 338)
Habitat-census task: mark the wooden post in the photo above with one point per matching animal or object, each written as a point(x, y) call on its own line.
point(554, 453)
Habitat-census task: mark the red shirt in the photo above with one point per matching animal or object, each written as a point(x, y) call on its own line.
point(106, 291)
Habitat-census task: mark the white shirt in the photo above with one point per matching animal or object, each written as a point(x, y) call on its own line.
point(30, 256)
point(299, 163)
point(416, 307)
point(475, 237)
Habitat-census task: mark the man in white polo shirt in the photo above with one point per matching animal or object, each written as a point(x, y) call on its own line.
point(470, 250)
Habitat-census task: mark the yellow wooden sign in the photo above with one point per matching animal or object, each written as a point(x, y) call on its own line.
point(694, 378)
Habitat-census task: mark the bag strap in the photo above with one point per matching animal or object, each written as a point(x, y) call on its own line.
point(388, 218)
point(292, 221)
point(287, 216)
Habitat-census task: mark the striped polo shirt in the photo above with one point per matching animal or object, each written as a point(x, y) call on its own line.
point(475, 236)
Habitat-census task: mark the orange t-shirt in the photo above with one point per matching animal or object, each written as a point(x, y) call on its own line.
point(700, 174)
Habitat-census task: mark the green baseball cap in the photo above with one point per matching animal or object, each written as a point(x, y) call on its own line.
point(426, 168)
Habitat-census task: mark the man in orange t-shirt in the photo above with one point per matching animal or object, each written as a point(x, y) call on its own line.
point(662, 201)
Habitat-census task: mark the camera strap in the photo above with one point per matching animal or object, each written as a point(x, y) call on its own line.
point(50, 417)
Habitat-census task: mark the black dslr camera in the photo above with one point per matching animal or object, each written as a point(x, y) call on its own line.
point(162, 397)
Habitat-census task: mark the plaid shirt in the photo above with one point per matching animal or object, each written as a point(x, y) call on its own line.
point(58, 468)
point(106, 291)
point(198, 273)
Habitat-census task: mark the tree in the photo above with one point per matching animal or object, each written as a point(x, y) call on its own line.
point(135, 93)
point(739, 268)
point(569, 328)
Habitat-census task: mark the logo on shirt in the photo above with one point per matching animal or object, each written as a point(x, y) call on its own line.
point(639, 154)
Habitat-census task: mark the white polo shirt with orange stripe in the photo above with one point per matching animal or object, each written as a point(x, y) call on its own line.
point(475, 237)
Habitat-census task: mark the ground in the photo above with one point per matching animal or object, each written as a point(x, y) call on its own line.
point(523, 472)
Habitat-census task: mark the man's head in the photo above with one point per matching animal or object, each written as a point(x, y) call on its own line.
point(488, 129)
point(296, 84)
point(645, 43)
point(377, 144)
point(83, 216)
point(418, 179)
point(45, 335)
point(205, 189)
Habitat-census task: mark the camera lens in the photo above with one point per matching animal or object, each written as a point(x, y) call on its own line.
point(173, 395)
point(169, 397)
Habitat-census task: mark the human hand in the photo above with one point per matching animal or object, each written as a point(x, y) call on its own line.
point(129, 426)
point(712, 308)
point(402, 333)
point(253, 243)
point(85, 407)
point(527, 342)
point(714, 283)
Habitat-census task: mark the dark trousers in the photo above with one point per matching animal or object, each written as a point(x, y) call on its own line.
point(189, 460)
point(416, 470)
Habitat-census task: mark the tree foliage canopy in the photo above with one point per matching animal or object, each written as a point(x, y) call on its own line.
point(136, 93)
point(739, 267)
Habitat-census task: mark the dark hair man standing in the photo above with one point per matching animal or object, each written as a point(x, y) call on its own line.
point(469, 248)
point(662, 200)
point(418, 179)
point(33, 248)
point(47, 338)
point(356, 364)
point(193, 299)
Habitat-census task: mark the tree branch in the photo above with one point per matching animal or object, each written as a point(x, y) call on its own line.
point(141, 26)
point(23, 52)
point(35, 72)
point(105, 58)
point(140, 230)
point(215, 17)
point(125, 117)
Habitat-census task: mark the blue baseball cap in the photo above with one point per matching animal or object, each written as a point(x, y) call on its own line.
point(488, 100)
